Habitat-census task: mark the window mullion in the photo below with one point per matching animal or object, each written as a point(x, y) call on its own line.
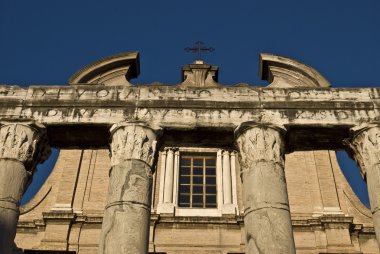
point(191, 182)
point(204, 182)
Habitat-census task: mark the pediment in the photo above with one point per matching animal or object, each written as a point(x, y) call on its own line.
point(283, 72)
point(110, 71)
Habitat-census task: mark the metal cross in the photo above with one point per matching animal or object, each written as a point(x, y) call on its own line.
point(199, 48)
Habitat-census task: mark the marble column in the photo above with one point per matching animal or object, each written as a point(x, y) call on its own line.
point(267, 222)
point(22, 147)
point(365, 149)
point(126, 219)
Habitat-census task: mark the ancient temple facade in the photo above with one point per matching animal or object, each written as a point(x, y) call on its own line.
point(196, 167)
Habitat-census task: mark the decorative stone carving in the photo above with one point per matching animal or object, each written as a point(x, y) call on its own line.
point(265, 141)
point(365, 149)
point(132, 141)
point(24, 142)
point(267, 216)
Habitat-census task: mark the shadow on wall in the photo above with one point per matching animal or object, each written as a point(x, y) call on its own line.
point(352, 174)
point(40, 175)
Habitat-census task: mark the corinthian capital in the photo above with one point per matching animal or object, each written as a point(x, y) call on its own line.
point(25, 142)
point(259, 143)
point(132, 141)
point(365, 146)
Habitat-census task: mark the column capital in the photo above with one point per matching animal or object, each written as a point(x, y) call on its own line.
point(364, 146)
point(133, 140)
point(243, 127)
point(259, 143)
point(25, 142)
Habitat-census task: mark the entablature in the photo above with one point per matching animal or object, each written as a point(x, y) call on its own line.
point(93, 109)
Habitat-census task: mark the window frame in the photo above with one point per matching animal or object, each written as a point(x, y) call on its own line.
point(174, 208)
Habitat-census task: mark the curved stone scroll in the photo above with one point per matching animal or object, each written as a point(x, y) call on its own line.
point(284, 72)
point(110, 71)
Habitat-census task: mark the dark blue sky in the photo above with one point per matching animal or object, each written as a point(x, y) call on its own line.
point(45, 42)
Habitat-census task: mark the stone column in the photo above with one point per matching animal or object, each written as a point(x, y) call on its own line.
point(227, 193)
point(169, 174)
point(162, 176)
point(126, 220)
point(22, 147)
point(219, 179)
point(267, 219)
point(176, 175)
point(233, 178)
point(365, 149)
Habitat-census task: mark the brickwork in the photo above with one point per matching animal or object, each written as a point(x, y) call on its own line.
point(309, 175)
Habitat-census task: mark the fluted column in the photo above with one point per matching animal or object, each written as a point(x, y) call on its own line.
point(125, 227)
point(22, 147)
point(365, 149)
point(267, 219)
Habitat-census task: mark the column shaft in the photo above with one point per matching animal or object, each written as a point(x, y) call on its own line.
point(169, 172)
point(219, 178)
point(126, 220)
point(267, 219)
point(162, 178)
point(13, 181)
point(233, 178)
point(22, 147)
point(365, 149)
point(175, 180)
point(227, 193)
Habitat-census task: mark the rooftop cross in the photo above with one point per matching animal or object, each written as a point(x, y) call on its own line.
point(199, 48)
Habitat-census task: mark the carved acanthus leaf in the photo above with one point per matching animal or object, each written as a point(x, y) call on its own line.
point(365, 148)
point(24, 142)
point(132, 141)
point(260, 144)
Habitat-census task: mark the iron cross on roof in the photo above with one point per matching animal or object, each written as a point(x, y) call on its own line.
point(199, 48)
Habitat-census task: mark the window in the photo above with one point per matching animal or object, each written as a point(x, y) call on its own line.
point(197, 181)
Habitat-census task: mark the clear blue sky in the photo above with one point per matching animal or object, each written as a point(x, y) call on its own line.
point(45, 42)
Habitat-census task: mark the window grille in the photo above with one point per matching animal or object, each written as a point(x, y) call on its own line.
point(197, 180)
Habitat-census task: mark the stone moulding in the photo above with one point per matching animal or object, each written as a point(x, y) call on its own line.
point(286, 72)
point(116, 69)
